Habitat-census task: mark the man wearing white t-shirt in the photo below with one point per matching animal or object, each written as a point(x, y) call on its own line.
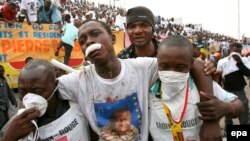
point(29, 9)
point(120, 20)
point(174, 97)
point(62, 121)
point(109, 83)
point(234, 68)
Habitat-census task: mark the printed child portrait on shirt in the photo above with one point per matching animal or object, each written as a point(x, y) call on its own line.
point(120, 127)
point(119, 120)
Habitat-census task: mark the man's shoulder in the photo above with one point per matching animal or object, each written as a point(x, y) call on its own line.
point(140, 62)
point(223, 60)
point(126, 53)
point(70, 77)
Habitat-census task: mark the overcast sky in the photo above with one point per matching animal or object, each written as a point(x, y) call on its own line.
point(220, 16)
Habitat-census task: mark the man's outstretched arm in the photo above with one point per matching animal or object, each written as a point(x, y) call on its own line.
point(210, 130)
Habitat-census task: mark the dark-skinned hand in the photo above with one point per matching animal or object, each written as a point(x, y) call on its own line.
point(212, 108)
point(209, 68)
point(20, 126)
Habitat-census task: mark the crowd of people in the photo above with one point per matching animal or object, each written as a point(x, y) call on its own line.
point(155, 89)
point(55, 11)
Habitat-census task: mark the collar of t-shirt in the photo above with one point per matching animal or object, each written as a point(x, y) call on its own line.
point(131, 49)
point(62, 106)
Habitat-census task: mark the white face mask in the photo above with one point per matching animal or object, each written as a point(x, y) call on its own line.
point(31, 100)
point(34, 100)
point(172, 83)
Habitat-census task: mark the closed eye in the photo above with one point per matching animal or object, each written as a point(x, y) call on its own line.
point(182, 68)
point(95, 33)
point(163, 67)
point(82, 40)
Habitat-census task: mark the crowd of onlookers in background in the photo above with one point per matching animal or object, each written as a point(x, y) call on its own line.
point(207, 46)
point(54, 11)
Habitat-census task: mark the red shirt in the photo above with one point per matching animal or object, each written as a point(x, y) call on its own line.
point(9, 15)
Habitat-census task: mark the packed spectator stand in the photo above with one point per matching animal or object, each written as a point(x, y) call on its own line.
point(53, 11)
point(207, 45)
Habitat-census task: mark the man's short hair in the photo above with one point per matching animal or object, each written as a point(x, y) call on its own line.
point(237, 45)
point(34, 63)
point(104, 25)
point(177, 41)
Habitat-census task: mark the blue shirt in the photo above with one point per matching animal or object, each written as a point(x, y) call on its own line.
point(56, 14)
point(70, 33)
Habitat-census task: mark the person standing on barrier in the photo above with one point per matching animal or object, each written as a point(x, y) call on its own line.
point(67, 41)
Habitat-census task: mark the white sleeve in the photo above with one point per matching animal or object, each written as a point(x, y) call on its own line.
point(23, 5)
point(68, 86)
point(246, 61)
point(153, 69)
point(149, 65)
point(222, 94)
point(219, 66)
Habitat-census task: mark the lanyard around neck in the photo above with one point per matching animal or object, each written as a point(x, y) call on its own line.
point(175, 126)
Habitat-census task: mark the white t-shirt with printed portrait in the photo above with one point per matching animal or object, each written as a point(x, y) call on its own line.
point(31, 6)
point(100, 98)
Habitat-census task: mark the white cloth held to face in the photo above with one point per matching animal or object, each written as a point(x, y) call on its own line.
point(231, 65)
point(172, 83)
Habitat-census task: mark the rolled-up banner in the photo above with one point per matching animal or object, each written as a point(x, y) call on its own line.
point(62, 66)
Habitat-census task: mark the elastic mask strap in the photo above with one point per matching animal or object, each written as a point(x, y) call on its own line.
point(35, 137)
point(53, 93)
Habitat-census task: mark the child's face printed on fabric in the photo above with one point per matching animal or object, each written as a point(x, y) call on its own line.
point(122, 122)
point(177, 59)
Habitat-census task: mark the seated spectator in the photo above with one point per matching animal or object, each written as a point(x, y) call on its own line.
point(40, 3)
point(120, 20)
point(56, 16)
point(8, 12)
point(44, 12)
point(29, 9)
point(88, 15)
point(102, 17)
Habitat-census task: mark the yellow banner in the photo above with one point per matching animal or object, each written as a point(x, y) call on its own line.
point(37, 41)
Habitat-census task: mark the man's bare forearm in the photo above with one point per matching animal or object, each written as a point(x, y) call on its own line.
point(203, 82)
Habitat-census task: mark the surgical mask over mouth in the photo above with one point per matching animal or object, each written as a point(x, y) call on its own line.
point(172, 83)
point(31, 100)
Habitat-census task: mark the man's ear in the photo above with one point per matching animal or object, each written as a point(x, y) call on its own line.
point(113, 39)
